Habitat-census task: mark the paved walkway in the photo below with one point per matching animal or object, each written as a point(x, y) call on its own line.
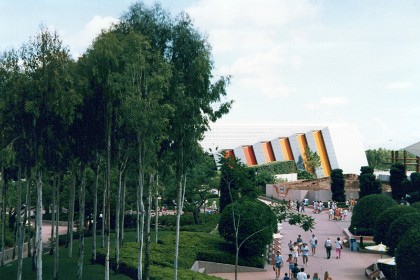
point(350, 267)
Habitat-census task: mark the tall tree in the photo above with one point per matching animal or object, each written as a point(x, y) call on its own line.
point(337, 185)
point(368, 183)
point(312, 160)
point(397, 177)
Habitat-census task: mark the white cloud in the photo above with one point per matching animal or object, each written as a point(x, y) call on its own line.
point(80, 41)
point(400, 86)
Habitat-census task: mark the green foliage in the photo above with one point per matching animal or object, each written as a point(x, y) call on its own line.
point(379, 159)
point(208, 222)
point(254, 221)
point(337, 185)
point(192, 246)
point(283, 213)
point(305, 175)
point(408, 254)
point(276, 167)
point(416, 205)
point(384, 221)
point(397, 177)
point(368, 183)
point(368, 209)
point(236, 180)
point(415, 180)
point(312, 160)
point(399, 227)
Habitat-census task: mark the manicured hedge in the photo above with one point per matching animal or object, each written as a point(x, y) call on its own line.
point(367, 209)
point(208, 222)
point(399, 227)
point(191, 245)
point(384, 221)
point(408, 254)
point(277, 167)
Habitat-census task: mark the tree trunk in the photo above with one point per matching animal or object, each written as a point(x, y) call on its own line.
point(156, 208)
point(123, 210)
point(53, 218)
point(28, 211)
point(3, 218)
point(107, 198)
point(140, 210)
point(180, 202)
point(81, 226)
point(103, 212)
point(57, 236)
point(39, 227)
point(117, 223)
point(149, 217)
point(19, 227)
point(95, 214)
point(71, 212)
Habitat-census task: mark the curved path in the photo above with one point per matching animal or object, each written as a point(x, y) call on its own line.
point(351, 266)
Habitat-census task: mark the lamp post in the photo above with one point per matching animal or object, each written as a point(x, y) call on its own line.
point(355, 232)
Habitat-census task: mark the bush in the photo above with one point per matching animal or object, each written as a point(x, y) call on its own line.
point(368, 183)
point(193, 246)
point(408, 254)
point(337, 185)
point(399, 227)
point(277, 167)
point(208, 222)
point(305, 175)
point(252, 215)
point(384, 221)
point(397, 173)
point(367, 209)
point(416, 205)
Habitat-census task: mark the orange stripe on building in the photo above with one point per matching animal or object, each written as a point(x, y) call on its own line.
point(229, 153)
point(286, 149)
point(301, 138)
point(322, 152)
point(268, 152)
point(250, 155)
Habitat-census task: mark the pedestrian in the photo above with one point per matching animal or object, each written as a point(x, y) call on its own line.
point(329, 204)
point(302, 208)
point(295, 270)
point(286, 277)
point(290, 246)
point(338, 247)
point(305, 253)
point(277, 263)
point(302, 275)
point(316, 277)
point(297, 205)
point(328, 245)
point(345, 213)
point(330, 214)
point(313, 242)
point(294, 255)
point(291, 262)
point(327, 276)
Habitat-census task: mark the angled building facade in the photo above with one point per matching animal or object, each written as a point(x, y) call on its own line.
point(339, 146)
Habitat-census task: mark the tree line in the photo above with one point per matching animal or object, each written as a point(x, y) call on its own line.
point(132, 108)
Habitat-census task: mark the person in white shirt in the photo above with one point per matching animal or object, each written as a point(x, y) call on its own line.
point(338, 248)
point(302, 275)
point(313, 242)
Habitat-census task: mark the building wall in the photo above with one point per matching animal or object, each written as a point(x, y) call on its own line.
point(339, 146)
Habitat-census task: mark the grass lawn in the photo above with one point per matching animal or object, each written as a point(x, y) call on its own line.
point(67, 266)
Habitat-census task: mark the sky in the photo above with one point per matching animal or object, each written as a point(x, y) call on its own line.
point(291, 61)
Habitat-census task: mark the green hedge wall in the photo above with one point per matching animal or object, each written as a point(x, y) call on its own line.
point(277, 167)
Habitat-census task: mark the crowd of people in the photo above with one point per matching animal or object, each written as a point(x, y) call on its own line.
point(300, 248)
point(295, 269)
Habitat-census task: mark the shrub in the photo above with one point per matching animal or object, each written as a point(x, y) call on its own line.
point(368, 183)
point(337, 185)
point(305, 175)
point(397, 176)
point(399, 227)
point(193, 246)
point(253, 216)
point(408, 254)
point(367, 209)
point(384, 221)
point(416, 205)
point(277, 167)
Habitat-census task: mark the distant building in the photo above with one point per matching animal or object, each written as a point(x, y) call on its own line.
point(339, 146)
